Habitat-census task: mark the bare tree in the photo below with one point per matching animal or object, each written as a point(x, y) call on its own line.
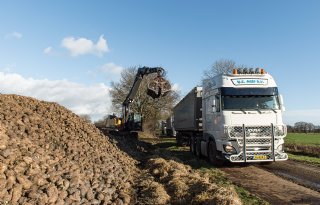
point(300, 126)
point(220, 66)
point(304, 127)
point(310, 127)
point(152, 110)
point(290, 129)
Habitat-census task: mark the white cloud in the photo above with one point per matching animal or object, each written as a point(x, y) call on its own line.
point(308, 115)
point(8, 68)
point(14, 34)
point(101, 45)
point(17, 35)
point(111, 68)
point(83, 46)
point(48, 50)
point(93, 100)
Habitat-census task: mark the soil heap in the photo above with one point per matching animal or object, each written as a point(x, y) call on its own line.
point(48, 155)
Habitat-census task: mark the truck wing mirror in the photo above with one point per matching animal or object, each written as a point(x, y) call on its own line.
point(282, 103)
point(214, 105)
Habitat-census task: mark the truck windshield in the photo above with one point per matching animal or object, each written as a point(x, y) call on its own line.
point(250, 102)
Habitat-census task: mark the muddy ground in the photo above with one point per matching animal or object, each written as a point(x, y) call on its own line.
point(269, 186)
point(165, 179)
point(287, 182)
point(301, 173)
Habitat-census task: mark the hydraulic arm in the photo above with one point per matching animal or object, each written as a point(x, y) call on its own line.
point(156, 88)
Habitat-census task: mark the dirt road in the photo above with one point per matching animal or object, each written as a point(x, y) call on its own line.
point(270, 182)
point(300, 173)
point(263, 181)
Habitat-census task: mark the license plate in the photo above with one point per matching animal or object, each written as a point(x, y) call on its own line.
point(260, 157)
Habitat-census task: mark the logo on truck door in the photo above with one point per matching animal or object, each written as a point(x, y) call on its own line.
point(250, 81)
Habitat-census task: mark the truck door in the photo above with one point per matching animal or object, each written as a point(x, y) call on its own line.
point(217, 119)
point(212, 106)
point(208, 114)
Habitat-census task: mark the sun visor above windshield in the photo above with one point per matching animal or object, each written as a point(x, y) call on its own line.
point(249, 91)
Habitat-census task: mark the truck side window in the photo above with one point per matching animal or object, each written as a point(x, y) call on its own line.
point(217, 99)
point(207, 107)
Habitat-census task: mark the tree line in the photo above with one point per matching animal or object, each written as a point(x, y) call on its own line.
point(303, 127)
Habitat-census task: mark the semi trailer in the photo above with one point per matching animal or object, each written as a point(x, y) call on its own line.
point(233, 117)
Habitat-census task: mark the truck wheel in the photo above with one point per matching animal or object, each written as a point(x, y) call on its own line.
point(178, 139)
point(212, 154)
point(193, 145)
point(198, 147)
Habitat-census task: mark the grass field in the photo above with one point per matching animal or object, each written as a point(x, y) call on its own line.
point(303, 147)
point(311, 160)
point(303, 139)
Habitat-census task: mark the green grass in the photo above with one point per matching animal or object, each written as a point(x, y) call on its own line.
point(307, 159)
point(249, 199)
point(303, 139)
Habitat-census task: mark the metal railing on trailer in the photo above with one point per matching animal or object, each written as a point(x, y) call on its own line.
point(256, 144)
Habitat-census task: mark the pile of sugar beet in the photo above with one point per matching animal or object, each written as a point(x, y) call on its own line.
point(49, 155)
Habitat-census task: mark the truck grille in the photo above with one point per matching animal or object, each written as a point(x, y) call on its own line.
point(256, 131)
point(256, 141)
point(253, 131)
point(259, 142)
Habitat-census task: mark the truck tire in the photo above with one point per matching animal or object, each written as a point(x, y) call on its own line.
point(198, 147)
point(178, 139)
point(193, 145)
point(212, 154)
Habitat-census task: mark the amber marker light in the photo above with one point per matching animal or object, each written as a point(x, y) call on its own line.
point(235, 71)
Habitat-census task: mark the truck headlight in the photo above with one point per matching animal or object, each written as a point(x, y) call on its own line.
point(229, 149)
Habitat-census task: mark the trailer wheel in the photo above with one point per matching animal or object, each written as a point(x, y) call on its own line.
point(178, 139)
point(193, 145)
point(212, 154)
point(198, 147)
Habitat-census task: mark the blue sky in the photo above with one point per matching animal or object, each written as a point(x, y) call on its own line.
point(69, 51)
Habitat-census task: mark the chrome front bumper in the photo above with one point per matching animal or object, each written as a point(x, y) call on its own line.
point(257, 143)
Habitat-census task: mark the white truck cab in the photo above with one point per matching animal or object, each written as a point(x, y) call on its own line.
point(242, 118)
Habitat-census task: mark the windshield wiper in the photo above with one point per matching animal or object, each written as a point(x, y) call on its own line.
point(266, 109)
point(273, 110)
point(258, 110)
point(243, 110)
